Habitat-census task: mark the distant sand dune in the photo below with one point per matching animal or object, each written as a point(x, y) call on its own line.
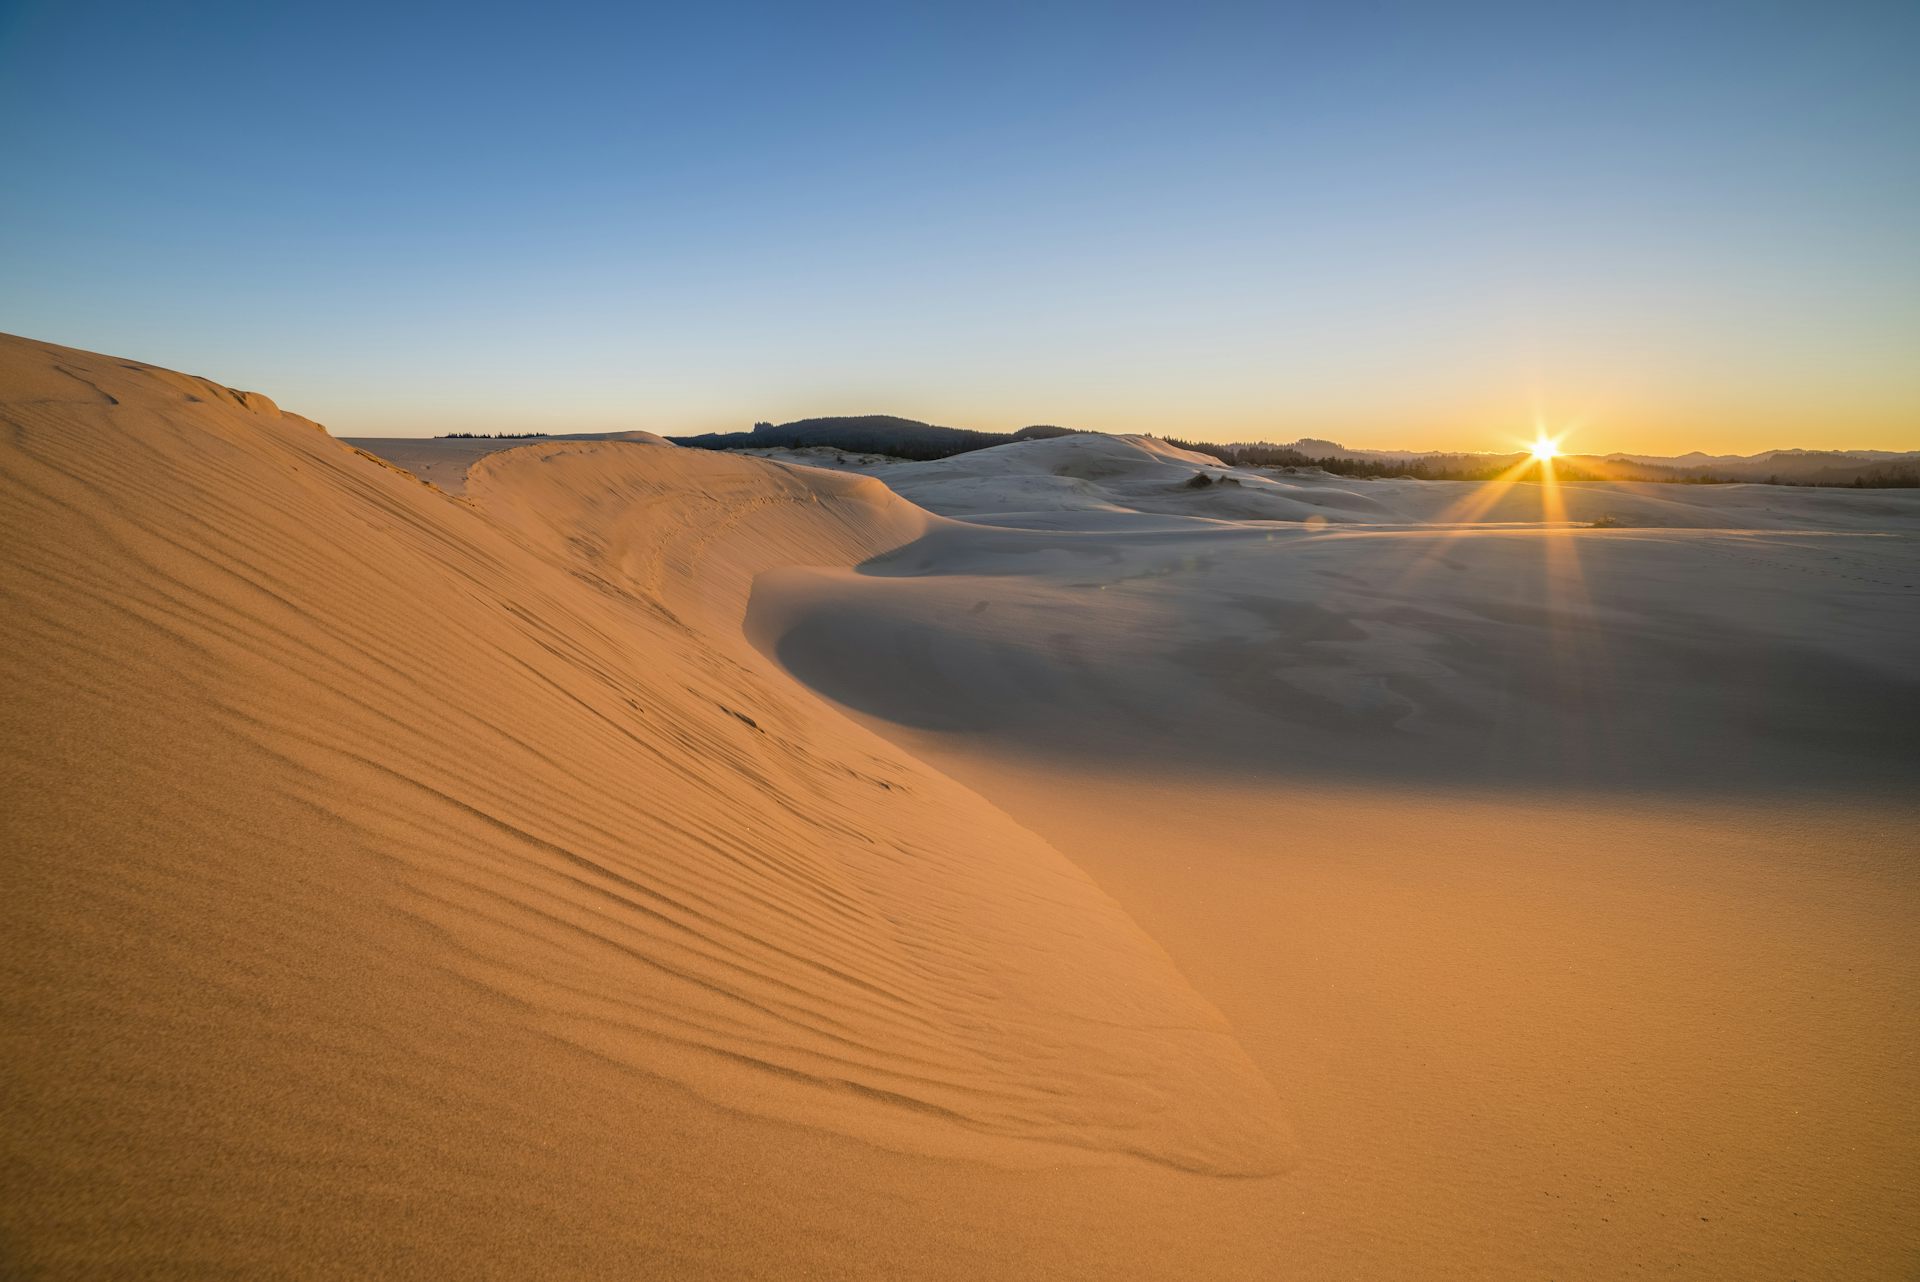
point(1567, 875)
point(1106, 483)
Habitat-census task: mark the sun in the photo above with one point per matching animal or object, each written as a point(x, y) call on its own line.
point(1544, 451)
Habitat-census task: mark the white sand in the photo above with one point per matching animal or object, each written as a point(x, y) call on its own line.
point(1565, 877)
point(403, 883)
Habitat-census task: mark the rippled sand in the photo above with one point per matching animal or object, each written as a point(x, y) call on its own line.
point(644, 862)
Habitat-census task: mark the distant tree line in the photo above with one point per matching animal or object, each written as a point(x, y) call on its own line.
point(1574, 469)
point(489, 436)
point(1430, 467)
point(1881, 476)
point(1893, 476)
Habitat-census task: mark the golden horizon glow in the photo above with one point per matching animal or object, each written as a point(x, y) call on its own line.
point(1545, 448)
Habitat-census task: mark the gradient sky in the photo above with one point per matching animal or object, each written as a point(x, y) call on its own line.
point(1684, 226)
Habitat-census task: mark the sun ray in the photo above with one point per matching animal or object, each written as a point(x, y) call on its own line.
point(1460, 519)
point(1576, 640)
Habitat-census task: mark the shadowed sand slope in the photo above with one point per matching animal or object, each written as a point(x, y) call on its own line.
point(1567, 876)
point(361, 838)
point(1675, 660)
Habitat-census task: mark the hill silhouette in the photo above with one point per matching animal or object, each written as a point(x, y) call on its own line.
point(868, 434)
point(907, 438)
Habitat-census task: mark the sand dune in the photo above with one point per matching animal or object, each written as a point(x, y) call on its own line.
point(1087, 481)
point(1502, 657)
point(360, 836)
point(444, 461)
point(1092, 482)
point(1568, 873)
point(1712, 652)
point(1289, 878)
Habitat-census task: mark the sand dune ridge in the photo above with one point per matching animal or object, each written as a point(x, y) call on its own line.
point(298, 743)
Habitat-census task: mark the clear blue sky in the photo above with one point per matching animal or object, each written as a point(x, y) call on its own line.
point(1682, 225)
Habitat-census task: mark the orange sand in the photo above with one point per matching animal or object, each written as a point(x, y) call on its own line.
point(410, 883)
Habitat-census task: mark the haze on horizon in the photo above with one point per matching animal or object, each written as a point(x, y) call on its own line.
point(1403, 228)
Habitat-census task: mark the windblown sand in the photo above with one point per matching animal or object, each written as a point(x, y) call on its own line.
point(646, 862)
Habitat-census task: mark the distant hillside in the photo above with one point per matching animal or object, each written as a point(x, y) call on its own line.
point(1868, 469)
point(911, 439)
point(1875, 468)
point(868, 434)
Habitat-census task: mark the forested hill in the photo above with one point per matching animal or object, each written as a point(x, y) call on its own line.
point(867, 434)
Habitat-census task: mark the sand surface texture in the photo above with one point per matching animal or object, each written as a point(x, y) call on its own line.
point(1563, 878)
point(616, 860)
